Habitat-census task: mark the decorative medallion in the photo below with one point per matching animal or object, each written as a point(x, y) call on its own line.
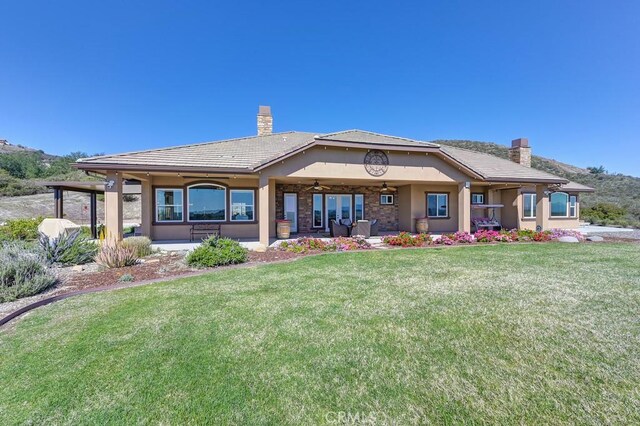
point(376, 163)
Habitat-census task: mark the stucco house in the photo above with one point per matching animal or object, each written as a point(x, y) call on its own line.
point(245, 184)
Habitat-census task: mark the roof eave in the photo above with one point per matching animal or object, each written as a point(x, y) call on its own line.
point(157, 168)
point(526, 180)
point(389, 147)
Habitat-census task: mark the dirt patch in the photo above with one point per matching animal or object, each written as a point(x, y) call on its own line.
point(152, 268)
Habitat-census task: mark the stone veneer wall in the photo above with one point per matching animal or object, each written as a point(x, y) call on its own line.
point(520, 155)
point(387, 215)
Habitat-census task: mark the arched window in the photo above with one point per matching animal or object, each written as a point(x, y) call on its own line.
point(559, 204)
point(207, 203)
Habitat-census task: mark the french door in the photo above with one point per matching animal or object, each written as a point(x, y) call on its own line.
point(338, 206)
point(291, 209)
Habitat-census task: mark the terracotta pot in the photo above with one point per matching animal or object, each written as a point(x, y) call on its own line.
point(422, 225)
point(283, 228)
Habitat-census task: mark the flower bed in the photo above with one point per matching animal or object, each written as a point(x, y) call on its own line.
point(306, 244)
point(405, 239)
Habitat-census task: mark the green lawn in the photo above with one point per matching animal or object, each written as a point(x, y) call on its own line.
point(511, 334)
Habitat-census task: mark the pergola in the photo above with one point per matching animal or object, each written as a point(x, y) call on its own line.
point(91, 188)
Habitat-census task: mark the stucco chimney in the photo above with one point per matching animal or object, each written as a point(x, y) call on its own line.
point(520, 152)
point(265, 121)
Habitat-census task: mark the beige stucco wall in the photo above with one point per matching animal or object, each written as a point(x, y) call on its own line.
point(509, 214)
point(412, 202)
point(512, 213)
point(319, 163)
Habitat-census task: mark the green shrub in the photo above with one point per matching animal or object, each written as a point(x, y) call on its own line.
point(113, 254)
point(142, 245)
point(73, 248)
point(603, 212)
point(216, 251)
point(23, 272)
point(20, 229)
point(126, 278)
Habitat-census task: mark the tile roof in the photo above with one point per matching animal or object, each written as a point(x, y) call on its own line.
point(252, 152)
point(493, 168)
point(361, 136)
point(240, 153)
point(576, 187)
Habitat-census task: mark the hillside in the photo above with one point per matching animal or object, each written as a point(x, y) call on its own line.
point(9, 148)
point(21, 167)
point(76, 207)
point(617, 189)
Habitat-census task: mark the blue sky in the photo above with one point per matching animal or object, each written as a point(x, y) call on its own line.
point(116, 76)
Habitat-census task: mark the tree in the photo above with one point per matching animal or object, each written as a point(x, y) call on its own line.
point(600, 170)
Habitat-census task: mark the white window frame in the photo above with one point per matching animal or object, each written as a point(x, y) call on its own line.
point(180, 190)
point(355, 206)
point(438, 194)
point(574, 206)
point(534, 200)
point(206, 185)
point(314, 208)
point(551, 215)
point(477, 194)
point(385, 200)
point(253, 205)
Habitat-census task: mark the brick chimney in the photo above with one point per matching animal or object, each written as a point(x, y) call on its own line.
point(265, 121)
point(520, 152)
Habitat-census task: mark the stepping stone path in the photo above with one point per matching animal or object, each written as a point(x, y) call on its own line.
point(595, 238)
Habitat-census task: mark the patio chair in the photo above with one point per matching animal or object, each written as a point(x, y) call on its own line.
point(346, 222)
point(338, 230)
point(375, 228)
point(362, 228)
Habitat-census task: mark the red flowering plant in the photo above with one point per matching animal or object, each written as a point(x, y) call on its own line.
point(405, 239)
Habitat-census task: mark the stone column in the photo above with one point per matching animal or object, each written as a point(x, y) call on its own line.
point(542, 208)
point(113, 206)
point(147, 209)
point(265, 208)
point(464, 207)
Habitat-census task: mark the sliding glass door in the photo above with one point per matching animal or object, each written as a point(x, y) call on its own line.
point(338, 207)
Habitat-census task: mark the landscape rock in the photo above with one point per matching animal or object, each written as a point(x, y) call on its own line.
point(568, 239)
point(78, 268)
point(595, 238)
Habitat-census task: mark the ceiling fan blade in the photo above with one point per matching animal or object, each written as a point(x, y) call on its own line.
point(325, 187)
point(392, 189)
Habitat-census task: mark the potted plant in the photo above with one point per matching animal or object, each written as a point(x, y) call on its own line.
point(422, 225)
point(283, 228)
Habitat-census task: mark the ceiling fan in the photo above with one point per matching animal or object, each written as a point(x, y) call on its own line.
point(316, 187)
point(387, 188)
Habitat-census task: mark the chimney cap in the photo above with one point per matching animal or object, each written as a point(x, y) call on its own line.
point(264, 110)
point(520, 143)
